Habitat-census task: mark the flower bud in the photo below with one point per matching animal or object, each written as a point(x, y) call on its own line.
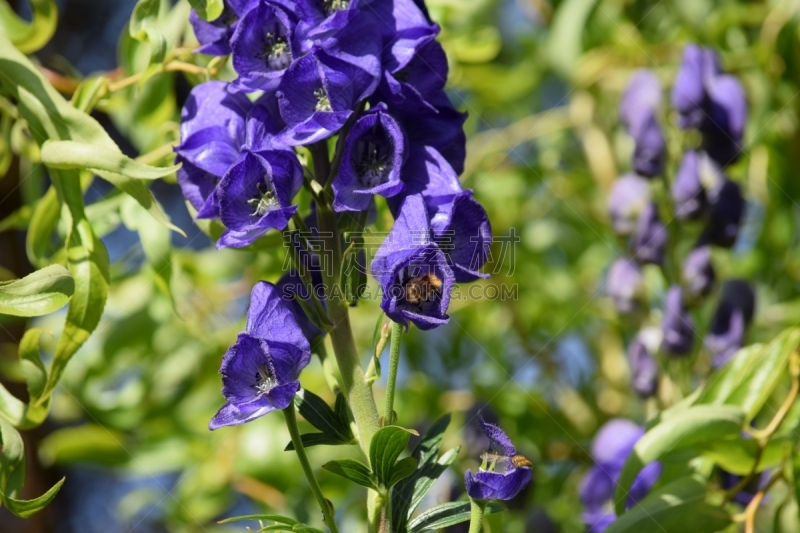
point(687, 191)
point(733, 314)
point(727, 210)
point(698, 272)
point(650, 239)
point(644, 369)
point(638, 112)
point(625, 285)
point(629, 197)
point(677, 326)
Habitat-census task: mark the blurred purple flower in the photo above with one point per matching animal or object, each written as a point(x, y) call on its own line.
point(625, 285)
point(628, 198)
point(698, 272)
point(677, 325)
point(746, 495)
point(687, 191)
point(503, 473)
point(733, 314)
point(727, 210)
point(650, 239)
point(638, 113)
point(644, 369)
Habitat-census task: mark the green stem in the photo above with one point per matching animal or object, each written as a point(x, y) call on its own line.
point(325, 506)
point(389, 416)
point(477, 508)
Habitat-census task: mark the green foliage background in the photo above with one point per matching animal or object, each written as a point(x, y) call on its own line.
point(541, 82)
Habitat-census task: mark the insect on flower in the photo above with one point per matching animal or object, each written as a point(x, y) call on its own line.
point(423, 289)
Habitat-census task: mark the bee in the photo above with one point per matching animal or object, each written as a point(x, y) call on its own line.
point(494, 462)
point(423, 289)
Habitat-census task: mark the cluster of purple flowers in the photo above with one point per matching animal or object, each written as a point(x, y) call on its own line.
point(371, 73)
point(714, 104)
point(611, 447)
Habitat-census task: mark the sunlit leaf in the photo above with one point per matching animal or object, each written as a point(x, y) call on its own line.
point(39, 293)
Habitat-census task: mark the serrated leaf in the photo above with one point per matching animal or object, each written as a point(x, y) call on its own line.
point(30, 37)
point(695, 426)
point(28, 508)
point(678, 507)
point(321, 416)
point(356, 472)
point(446, 515)
point(208, 10)
point(37, 294)
point(386, 446)
point(261, 516)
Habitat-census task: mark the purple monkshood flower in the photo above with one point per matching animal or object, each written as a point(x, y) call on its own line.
point(638, 112)
point(213, 130)
point(733, 314)
point(698, 272)
point(256, 196)
point(214, 37)
point(688, 194)
point(677, 325)
point(372, 159)
point(629, 197)
point(650, 239)
point(610, 449)
point(746, 495)
point(260, 371)
point(711, 101)
point(414, 85)
point(625, 285)
point(644, 368)
point(264, 45)
point(318, 93)
point(503, 473)
point(415, 277)
point(727, 210)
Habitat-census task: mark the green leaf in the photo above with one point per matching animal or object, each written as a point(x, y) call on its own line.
point(446, 515)
point(723, 381)
point(796, 475)
point(88, 263)
point(71, 154)
point(564, 46)
point(27, 508)
point(316, 439)
point(44, 220)
point(16, 412)
point(144, 27)
point(738, 455)
point(386, 446)
point(30, 37)
point(262, 516)
point(402, 469)
point(408, 493)
point(678, 507)
point(353, 470)
point(321, 416)
point(694, 426)
point(769, 368)
point(89, 92)
point(208, 9)
point(50, 117)
point(37, 294)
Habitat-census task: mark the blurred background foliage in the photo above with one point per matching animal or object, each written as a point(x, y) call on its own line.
point(541, 81)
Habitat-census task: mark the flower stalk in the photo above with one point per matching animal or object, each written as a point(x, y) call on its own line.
point(389, 416)
point(324, 504)
point(477, 508)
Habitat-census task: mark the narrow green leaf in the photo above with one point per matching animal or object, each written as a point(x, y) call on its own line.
point(262, 516)
point(27, 508)
point(353, 470)
point(754, 391)
point(12, 465)
point(446, 515)
point(796, 475)
point(565, 43)
point(71, 154)
point(208, 9)
point(693, 427)
point(678, 507)
point(402, 469)
point(37, 294)
point(89, 92)
point(39, 240)
point(317, 439)
point(321, 416)
point(386, 446)
point(16, 412)
point(30, 37)
point(727, 378)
